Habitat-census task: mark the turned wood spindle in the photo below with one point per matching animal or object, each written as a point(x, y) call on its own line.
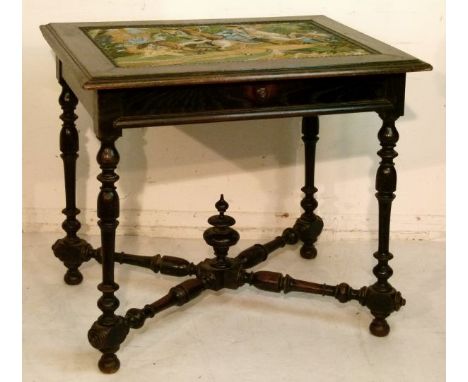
point(277, 282)
point(221, 236)
point(167, 265)
point(383, 299)
point(109, 330)
point(178, 295)
point(258, 253)
point(71, 250)
point(69, 146)
point(309, 225)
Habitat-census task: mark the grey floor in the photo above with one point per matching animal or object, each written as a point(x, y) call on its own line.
point(243, 335)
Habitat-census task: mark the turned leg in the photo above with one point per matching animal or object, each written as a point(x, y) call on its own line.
point(71, 250)
point(382, 299)
point(309, 225)
point(110, 330)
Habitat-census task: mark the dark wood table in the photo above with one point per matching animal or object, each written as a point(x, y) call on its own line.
point(138, 74)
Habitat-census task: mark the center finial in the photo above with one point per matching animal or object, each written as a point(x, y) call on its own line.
point(221, 205)
point(221, 236)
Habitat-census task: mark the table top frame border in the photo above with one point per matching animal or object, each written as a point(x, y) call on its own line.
point(96, 71)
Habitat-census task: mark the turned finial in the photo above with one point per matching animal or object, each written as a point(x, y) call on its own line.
point(222, 206)
point(221, 236)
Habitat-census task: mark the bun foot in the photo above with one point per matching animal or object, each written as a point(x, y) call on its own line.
point(379, 327)
point(73, 277)
point(308, 251)
point(109, 363)
point(72, 252)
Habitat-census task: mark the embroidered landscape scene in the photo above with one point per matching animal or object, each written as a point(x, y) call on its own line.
point(209, 43)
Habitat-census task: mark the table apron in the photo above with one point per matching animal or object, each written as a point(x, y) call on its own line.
point(265, 113)
point(132, 108)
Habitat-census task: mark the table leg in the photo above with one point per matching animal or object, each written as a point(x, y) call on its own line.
point(309, 225)
point(382, 299)
point(110, 330)
point(71, 250)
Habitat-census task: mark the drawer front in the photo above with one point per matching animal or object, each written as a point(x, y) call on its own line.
point(247, 98)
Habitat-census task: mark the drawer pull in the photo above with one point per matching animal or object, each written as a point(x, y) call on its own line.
point(261, 94)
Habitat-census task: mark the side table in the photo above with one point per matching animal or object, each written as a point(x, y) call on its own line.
point(153, 73)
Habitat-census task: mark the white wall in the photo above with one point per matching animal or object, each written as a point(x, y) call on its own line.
point(171, 176)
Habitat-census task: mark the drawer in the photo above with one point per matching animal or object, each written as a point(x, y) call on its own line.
point(262, 97)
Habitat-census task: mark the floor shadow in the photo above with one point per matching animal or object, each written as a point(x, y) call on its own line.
point(83, 167)
point(171, 154)
point(133, 165)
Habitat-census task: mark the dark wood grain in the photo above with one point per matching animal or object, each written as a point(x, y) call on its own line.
point(178, 295)
point(123, 98)
point(96, 71)
point(258, 253)
point(383, 298)
point(71, 250)
point(167, 265)
point(109, 330)
point(309, 225)
point(120, 109)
